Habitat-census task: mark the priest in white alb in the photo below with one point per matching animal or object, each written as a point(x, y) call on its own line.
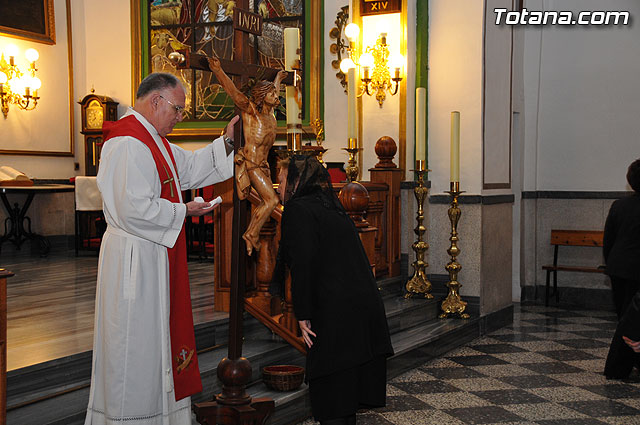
point(145, 366)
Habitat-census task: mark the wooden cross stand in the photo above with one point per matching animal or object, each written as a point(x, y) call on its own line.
point(233, 405)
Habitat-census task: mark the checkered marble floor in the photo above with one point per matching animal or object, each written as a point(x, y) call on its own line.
point(544, 369)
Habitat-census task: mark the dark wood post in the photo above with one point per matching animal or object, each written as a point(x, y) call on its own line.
point(387, 172)
point(4, 274)
point(233, 405)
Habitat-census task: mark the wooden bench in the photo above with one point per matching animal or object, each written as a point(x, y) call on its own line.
point(591, 238)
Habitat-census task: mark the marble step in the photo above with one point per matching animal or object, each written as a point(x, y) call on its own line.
point(68, 379)
point(69, 404)
point(412, 346)
point(34, 382)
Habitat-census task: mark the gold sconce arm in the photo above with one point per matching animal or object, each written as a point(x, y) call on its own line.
point(16, 86)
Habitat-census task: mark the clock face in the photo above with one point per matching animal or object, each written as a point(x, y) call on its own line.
point(95, 115)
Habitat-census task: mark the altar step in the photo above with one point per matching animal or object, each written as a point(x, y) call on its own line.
point(57, 392)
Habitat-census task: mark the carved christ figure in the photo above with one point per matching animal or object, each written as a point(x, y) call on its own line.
point(259, 127)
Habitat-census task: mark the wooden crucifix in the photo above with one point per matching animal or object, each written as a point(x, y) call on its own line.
point(234, 405)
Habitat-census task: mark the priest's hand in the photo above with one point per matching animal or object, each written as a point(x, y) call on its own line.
point(635, 345)
point(305, 327)
point(228, 134)
point(199, 208)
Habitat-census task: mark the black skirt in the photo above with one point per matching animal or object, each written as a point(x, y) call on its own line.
point(343, 393)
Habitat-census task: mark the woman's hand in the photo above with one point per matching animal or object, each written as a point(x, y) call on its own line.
point(635, 345)
point(305, 327)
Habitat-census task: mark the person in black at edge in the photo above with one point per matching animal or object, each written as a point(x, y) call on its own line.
point(621, 246)
point(335, 296)
point(628, 327)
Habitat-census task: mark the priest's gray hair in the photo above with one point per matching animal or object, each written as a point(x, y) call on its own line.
point(156, 82)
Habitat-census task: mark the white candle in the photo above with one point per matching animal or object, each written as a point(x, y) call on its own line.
point(294, 120)
point(421, 102)
point(352, 128)
point(291, 58)
point(455, 146)
point(291, 46)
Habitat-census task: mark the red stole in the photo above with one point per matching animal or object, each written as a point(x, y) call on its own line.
point(184, 361)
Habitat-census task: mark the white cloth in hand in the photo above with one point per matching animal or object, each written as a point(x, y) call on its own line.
point(216, 201)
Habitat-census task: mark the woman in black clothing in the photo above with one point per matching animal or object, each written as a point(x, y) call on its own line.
point(335, 296)
point(621, 245)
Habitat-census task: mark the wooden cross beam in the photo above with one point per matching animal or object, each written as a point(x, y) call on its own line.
point(234, 405)
point(185, 59)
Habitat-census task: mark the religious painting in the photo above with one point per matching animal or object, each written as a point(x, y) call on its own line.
point(206, 27)
point(47, 130)
point(28, 19)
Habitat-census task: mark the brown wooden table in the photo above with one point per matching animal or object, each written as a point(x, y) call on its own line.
point(4, 274)
point(14, 225)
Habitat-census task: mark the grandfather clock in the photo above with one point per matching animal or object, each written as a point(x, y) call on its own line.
point(95, 109)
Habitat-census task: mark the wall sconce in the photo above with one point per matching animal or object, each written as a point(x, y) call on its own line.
point(376, 65)
point(16, 86)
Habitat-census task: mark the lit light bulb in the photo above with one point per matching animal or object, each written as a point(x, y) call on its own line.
point(383, 26)
point(16, 85)
point(396, 63)
point(346, 64)
point(3, 78)
point(396, 60)
point(26, 82)
point(11, 50)
point(32, 55)
point(36, 83)
point(367, 60)
point(352, 31)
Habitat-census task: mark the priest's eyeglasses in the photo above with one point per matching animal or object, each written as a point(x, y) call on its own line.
point(179, 109)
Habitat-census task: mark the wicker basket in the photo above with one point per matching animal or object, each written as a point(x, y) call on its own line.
point(283, 377)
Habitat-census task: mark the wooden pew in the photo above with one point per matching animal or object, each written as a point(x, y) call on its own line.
point(592, 238)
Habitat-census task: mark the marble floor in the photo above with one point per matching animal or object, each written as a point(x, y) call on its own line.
point(50, 303)
point(544, 369)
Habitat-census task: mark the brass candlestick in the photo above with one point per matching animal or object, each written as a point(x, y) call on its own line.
point(453, 304)
point(419, 284)
point(352, 169)
point(294, 142)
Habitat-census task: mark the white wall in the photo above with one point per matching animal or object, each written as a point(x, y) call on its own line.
point(335, 99)
point(376, 121)
point(101, 57)
point(47, 128)
point(582, 100)
point(455, 83)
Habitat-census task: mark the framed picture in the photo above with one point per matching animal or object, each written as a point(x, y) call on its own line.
point(205, 26)
point(47, 130)
point(28, 19)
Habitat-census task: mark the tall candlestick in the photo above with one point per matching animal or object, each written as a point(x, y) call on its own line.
point(455, 146)
point(294, 101)
point(421, 102)
point(351, 104)
point(291, 46)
